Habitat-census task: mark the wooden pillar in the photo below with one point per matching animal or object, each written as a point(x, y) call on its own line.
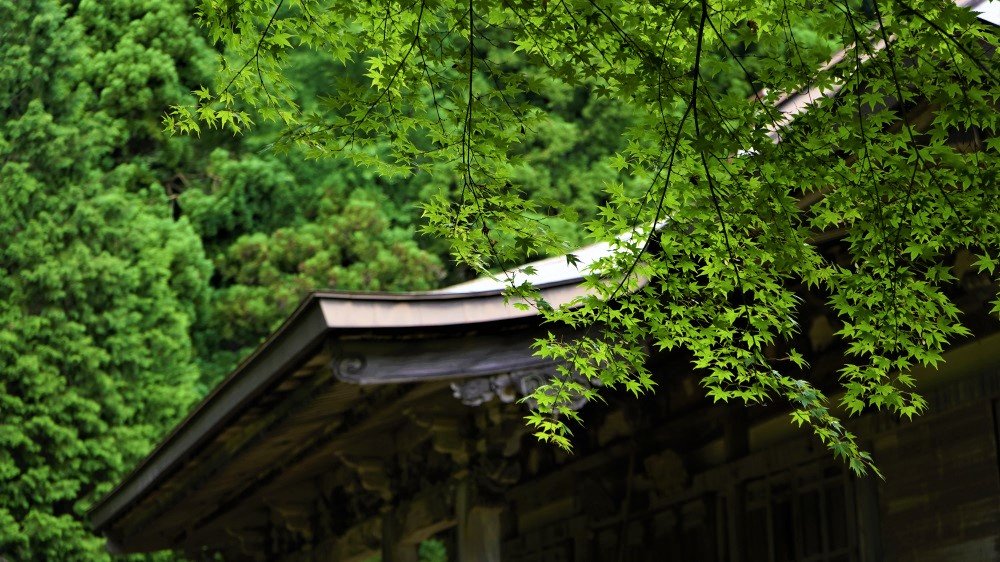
point(731, 542)
point(478, 527)
point(583, 539)
point(736, 433)
point(866, 511)
point(393, 548)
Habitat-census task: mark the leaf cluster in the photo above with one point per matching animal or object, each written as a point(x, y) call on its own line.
point(871, 122)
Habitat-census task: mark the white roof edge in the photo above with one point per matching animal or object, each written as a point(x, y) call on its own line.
point(471, 307)
point(546, 271)
point(988, 10)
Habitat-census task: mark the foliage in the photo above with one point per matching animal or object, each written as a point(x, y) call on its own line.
point(712, 219)
point(273, 221)
point(99, 286)
point(114, 321)
point(433, 550)
point(352, 246)
point(430, 550)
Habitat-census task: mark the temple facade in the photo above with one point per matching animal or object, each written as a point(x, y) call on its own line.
point(371, 422)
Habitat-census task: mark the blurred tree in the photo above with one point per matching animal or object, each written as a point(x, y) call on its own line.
point(99, 286)
point(262, 276)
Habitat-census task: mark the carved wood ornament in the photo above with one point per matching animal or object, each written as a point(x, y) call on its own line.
point(509, 387)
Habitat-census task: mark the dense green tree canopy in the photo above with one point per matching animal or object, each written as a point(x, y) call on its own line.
point(728, 189)
point(139, 268)
point(99, 286)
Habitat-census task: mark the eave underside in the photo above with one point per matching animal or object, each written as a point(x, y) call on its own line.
point(354, 398)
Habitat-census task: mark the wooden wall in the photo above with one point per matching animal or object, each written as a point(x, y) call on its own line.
point(787, 500)
point(941, 497)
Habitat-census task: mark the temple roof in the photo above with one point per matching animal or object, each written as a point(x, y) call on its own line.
point(468, 330)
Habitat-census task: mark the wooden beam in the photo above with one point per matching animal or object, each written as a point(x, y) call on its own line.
point(287, 348)
point(428, 513)
point(251, 434)
point(446, 431)
point(441, 358)
point(478, 526)
point(332, 440)
point(676, 434)
point(416, 519)
point(371, 472)
point(394, 548)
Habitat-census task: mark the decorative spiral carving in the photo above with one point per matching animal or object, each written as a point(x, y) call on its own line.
point(509, 386)
point(348, 367)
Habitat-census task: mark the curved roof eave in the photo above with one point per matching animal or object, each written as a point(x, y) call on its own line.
point(320, 315)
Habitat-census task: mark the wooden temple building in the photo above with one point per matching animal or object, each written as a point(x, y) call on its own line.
point(371, 422)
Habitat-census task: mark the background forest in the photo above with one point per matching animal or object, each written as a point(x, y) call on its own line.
point(138, 268)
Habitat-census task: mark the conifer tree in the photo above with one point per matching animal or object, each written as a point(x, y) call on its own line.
point(99, 285)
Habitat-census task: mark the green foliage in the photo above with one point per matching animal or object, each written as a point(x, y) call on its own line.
point(353, 246)
point(276, 221)
point(99, 286)
point(113, 320)
point(241, 196)
point(432, 550)
point(465, 91)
